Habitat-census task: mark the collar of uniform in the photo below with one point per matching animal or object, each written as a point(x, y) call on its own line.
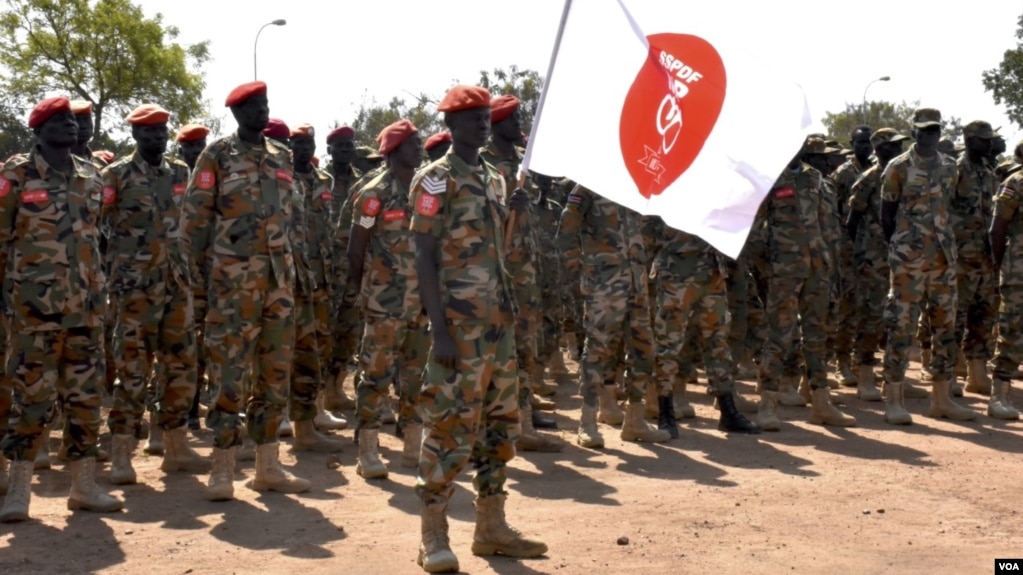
point(240, 146)
point(919, 160)
point(80, 166)
point(492, 148)
point(459, 166)
point(145, 167)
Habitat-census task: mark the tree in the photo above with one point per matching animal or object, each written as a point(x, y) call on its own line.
point(104, 51)
point(15, 136)
point(882, 114)
point(1006, 81)
point(526, 85)
point(372, 118)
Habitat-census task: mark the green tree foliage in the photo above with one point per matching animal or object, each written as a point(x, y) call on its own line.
point(15, 137)
point(881, 114)
point(104, 51)
point(526, 85)
point(1006, 81)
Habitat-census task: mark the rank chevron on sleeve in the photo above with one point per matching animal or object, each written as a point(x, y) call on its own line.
point(434, 185)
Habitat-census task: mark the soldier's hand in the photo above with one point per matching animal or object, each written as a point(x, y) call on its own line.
point(519, 200)
point(445, 353)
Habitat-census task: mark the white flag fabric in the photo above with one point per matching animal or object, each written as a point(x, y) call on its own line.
point(668, 116)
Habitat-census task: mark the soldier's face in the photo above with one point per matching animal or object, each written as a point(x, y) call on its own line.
point(303, 149)
point(342, 150)
point(471, 127)
point(818, 162)
point(888, 150)
point(509, 129)
point(152, 139)
point(190, 151)
point(438, 151)
point(997, 146)
point(59, 131)
point(252, 114)
point(927, 138)
point(861, 144)
point(85, 128)
point(978, 146)
point(409, 153)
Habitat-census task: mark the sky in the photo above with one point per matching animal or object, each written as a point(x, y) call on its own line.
point(332, 56)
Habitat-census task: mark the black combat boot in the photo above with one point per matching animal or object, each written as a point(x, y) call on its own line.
point(731, 419)
point(666, 415)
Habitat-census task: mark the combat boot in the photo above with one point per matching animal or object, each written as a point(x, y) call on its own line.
point(746, 369)
point(85, 494)
point(650, 409)
point(574, 349)
point(822, 412)
point(179, 456)
point(681, 406)
point(285, 429)
point(787, 394)
point(943, 406)
point(588, 435)
point(767, 411)
point(42, 459)
point(221, 483)
point(961, 369)
point(541, 404)
point(121, 471)
point(387, 411)
point(154, 445)
point(845, 373)
point(978, 380)
point(999, 406)
point(308, 439)
point(4, 477)
point(914, 392)
point(741, 403)
point(270, 476)
point(19, 492)
point(538, 384)
point(413, 445)
point(804, 389)
point(493, 535)
point(636, 428)
point(925, 367)
point(866, 387)
point(894, 409)
point(336, 398)
point(324, 419)
point(557, 367)
point(369, 465)
point(666, 418)
point(435, 555)
point(730, 419)
point(530, 439)
point(610, 412)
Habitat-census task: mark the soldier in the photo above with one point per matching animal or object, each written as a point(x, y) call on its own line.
point(871, 253)
point(602, 243)
point(469, 396)
point(82, 109)
point(916, 189)
point(382, 264)
point(191, 141)
point(277, 130)
point(312, 299)
point(548, 214)
point(367, 159)
point(142, 199)
point(235, 227)
point(437, 145)
point(793, 226)
point(50, 204)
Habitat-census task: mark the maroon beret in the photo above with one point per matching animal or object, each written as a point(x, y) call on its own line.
point(46, 109)
point(244, 92)
point(342, 132)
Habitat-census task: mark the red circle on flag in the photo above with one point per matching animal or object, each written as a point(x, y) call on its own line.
point(670, 110)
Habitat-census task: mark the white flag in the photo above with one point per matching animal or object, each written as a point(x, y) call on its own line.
point(668, 117)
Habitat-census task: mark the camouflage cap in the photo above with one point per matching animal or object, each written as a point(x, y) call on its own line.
point(978, 129)
point(946, 146)
point(926, 117)
point(817, 145)
point(884, 136)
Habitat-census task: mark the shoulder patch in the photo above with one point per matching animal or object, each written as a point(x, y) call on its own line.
point(109, 195)
point(782, 193)
point(371, 207)
point(35, 196)
point(5, 187)
point(205, 179)
point(284, 175)
point(179, 189)
point(1003, 191)
point(433, 185)
point(427, 205)
point(574, 198)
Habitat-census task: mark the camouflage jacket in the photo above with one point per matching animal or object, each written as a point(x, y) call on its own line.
point(1007, 207)
point(844, 177)
point(522, 257)
point(50, 267)
point(547, 215)
point(237, 218)
point(970, 209)
point(794, 217)
point(923, 188)
point(866, 197)
point(142, 214)
point(315, 189)
point(461, 206)
point(341, 187)
point(682, 256)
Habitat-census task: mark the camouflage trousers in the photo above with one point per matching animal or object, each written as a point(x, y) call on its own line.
point(572, 305)
point(737, 292)
point(109, 326)
point(312, 312)
point(846, 313)
point(700, 302)
point(871, 292)
point(910, 289)
point(155, 324)
point(470, 412)
point(551, 317)
point(345, 333)
point(527, 332)
point(250, 335)
point(6, 383)
point(1009, 346)
point(47, 367)
point(977, 286)
point(617, 326)
point(796, 306)
point(392, 348)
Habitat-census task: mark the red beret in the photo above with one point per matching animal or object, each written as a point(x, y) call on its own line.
point(502, 107)
point(81, 107)
point(303, 130)
point(244, 92)
point(105, 156)
point(437, 139)
point(147, 115)
point(276, 129)
point(47, 108)
point(192, 132)
point(342, 132)
point(394, 135)
point(464, 98)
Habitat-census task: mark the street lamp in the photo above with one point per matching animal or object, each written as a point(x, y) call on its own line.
point(277, 22)
point(881, 79)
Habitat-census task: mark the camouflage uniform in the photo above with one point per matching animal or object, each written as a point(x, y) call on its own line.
point(547, 214)
point(1009, 346)
point(55, 297)
point(602, 243)
point(922, 257)
point(871, 254)
point(236, 229)
point(847, 315)
point(571, 298)
point(395, 339)
point(346, 326)
point(471, 411)
point(148, 275)
point(970, 217)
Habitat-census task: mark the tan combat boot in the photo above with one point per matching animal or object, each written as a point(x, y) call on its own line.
point(121, 471)
point(804, 390)
point(270, 476)
point(978, 380)
point(557, 367)
point(336, 398)
point(85, 494)
point(493, 535)
point(369, 465)
point(914, 392)
point(42, 445)
point(767, 411)
point(894, 409)
point(683, 409)
point(636, 428)
point(746, 369)
point(413, 445)
point(822, 412)
point(324, 419)
point(530, 439)
point(610, 412)
point(650, 409)
point(308, 439)
point(845, 373)
point(787, 394)
point(866, 387)
point(588, 435)
point(285, 428)
point(925, 367)
point(387, 411)
point(943, 406)
point(999, 406)
point(221, 483)
point(538, 384)
point(435, 555)
point(154, 445)
point(179, 456)
point(19, 493)
point(541, 404)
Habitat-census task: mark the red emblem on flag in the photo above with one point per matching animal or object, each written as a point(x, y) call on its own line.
point(205, 179)
point(670, 109)
point(371, 207)
point(427, 205)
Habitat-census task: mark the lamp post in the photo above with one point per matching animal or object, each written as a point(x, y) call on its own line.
point(255, 45)
point(881, 79)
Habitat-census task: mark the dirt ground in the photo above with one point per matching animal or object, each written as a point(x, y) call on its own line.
point(934, 497)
